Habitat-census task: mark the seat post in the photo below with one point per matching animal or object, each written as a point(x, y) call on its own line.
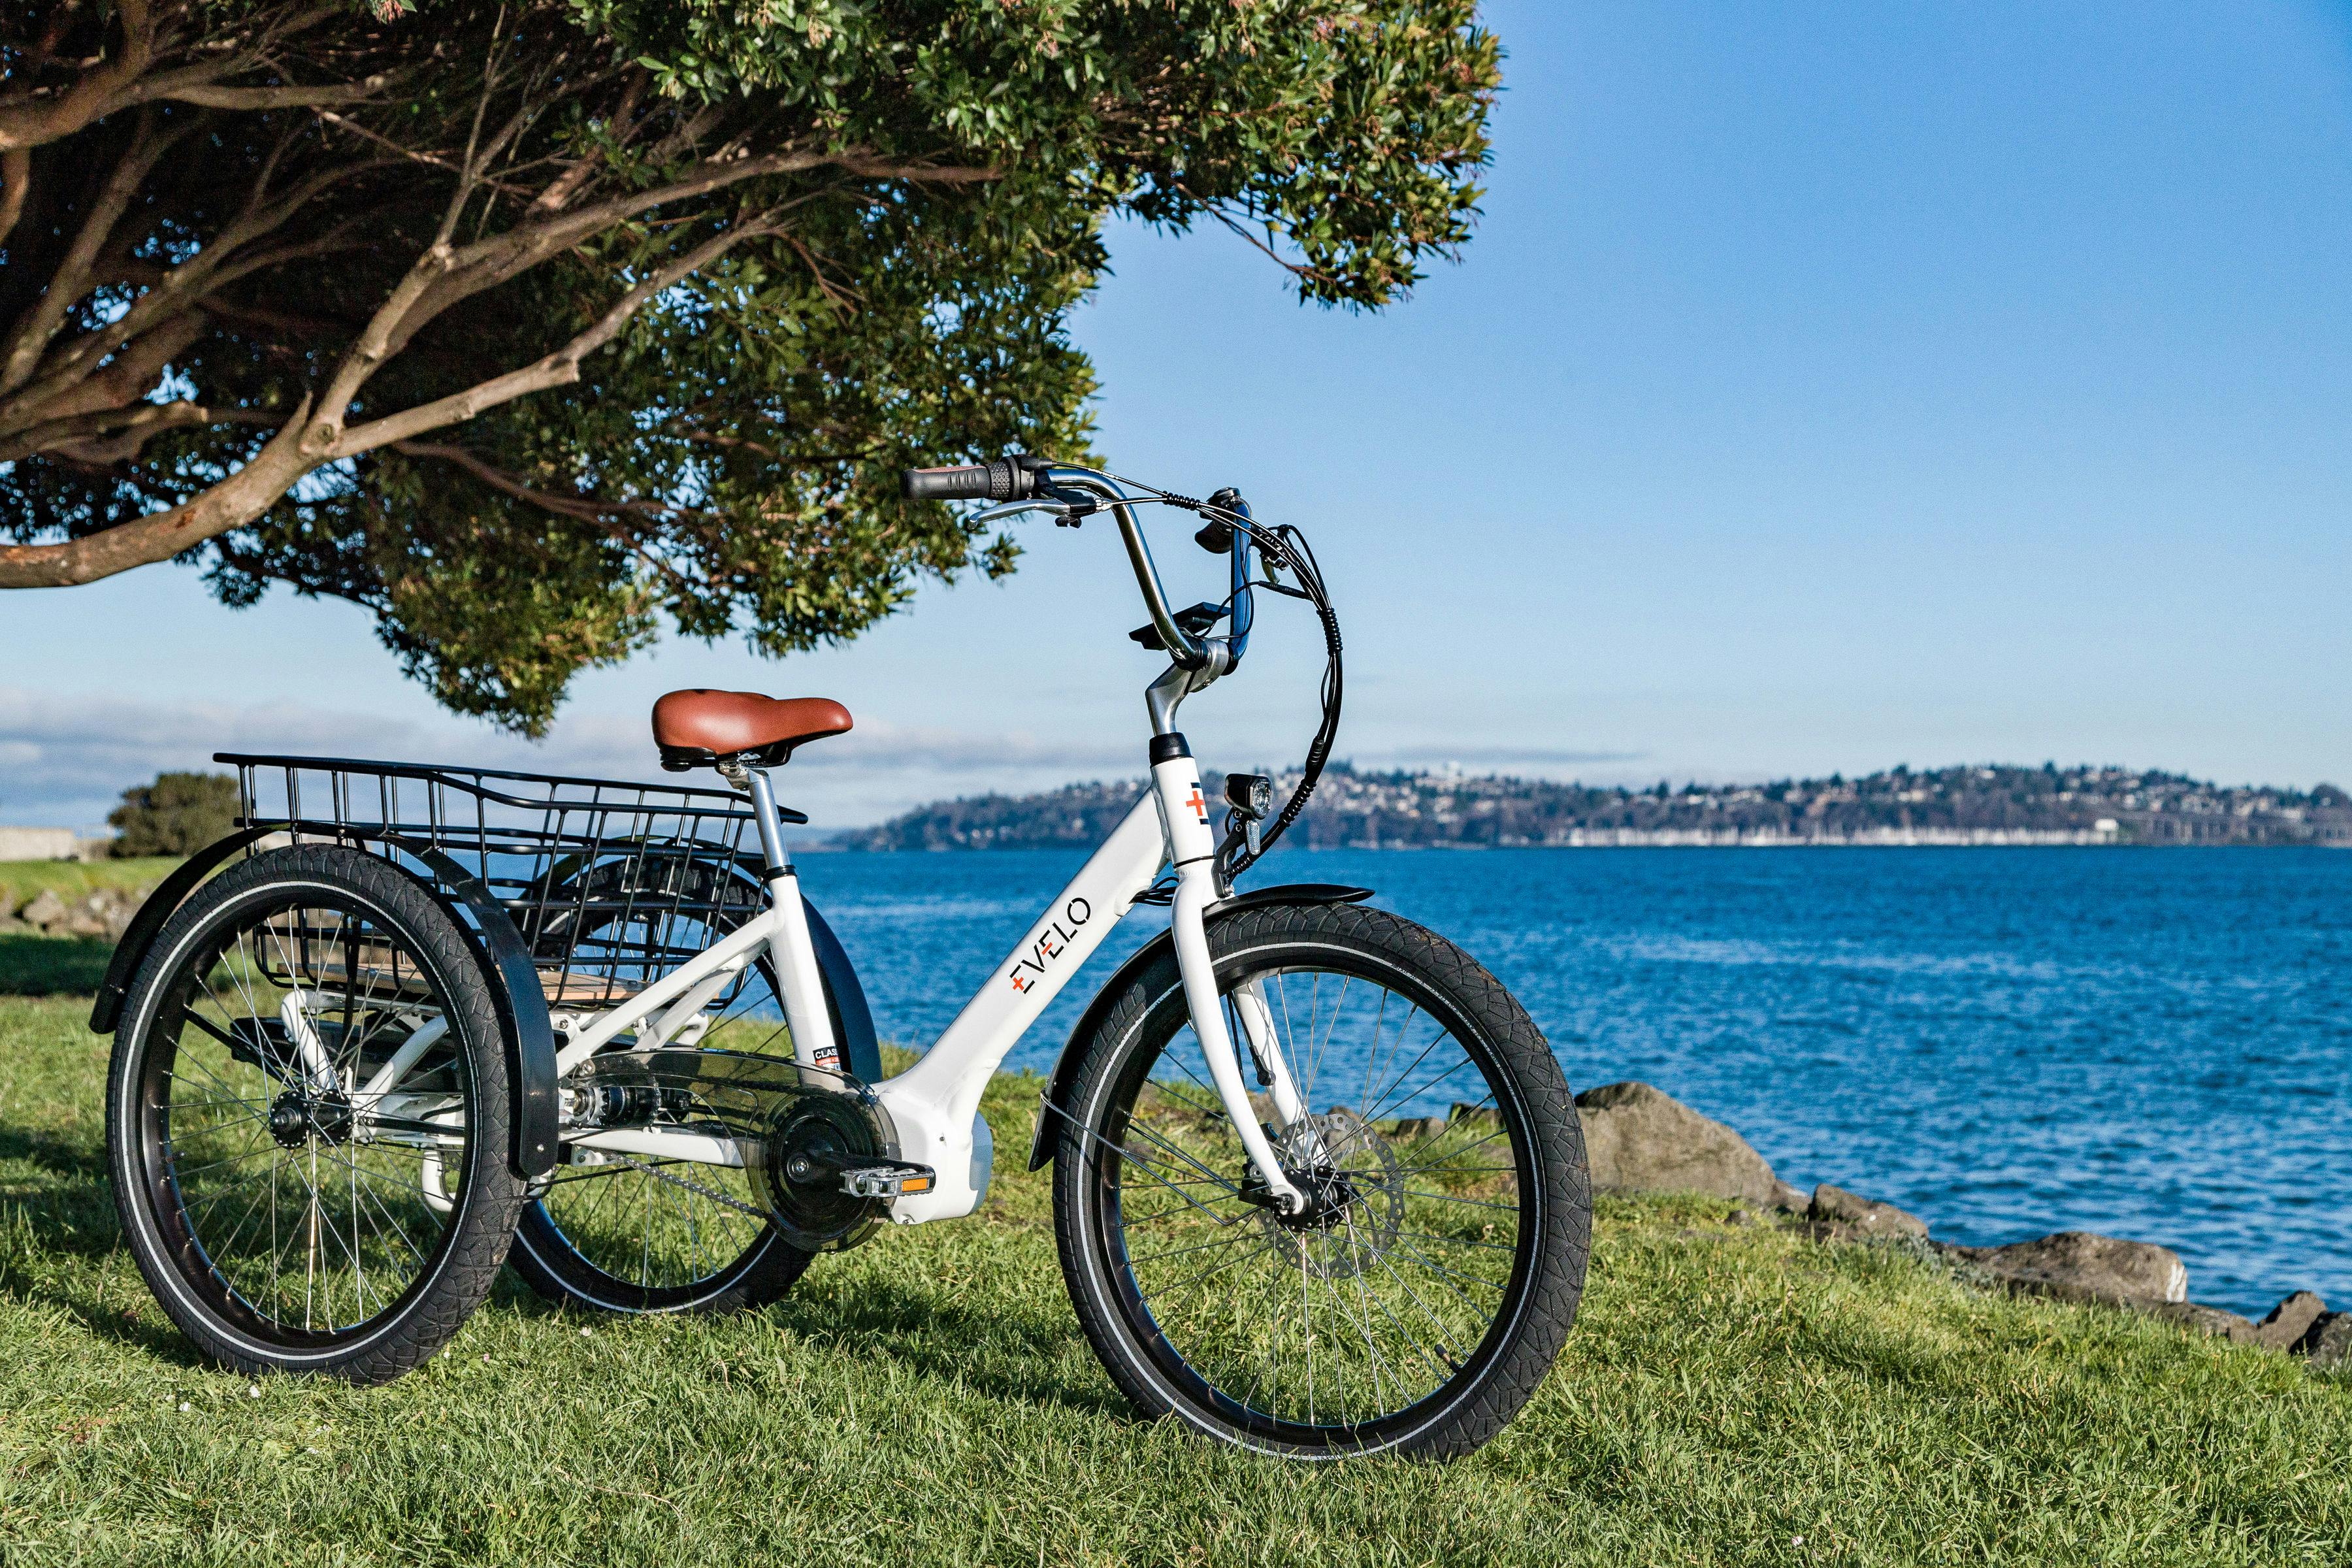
point(772, 831)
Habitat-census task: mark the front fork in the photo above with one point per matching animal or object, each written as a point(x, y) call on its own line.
point(1184, 810)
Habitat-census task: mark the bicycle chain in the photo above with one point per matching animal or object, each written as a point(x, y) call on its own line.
point(661, 1175)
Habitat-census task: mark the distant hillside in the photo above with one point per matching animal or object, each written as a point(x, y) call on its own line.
point(1353, 809)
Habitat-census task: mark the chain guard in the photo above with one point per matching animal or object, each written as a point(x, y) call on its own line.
point(782, 1115)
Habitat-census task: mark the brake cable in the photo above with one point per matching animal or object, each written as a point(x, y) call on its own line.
point(1281, 548)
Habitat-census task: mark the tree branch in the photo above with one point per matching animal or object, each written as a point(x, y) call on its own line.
point(208, 95)
point(15, 179)
point(558, 369)
point(175, 293)
point(232, 503)
point(22, 351)
point(31, 122)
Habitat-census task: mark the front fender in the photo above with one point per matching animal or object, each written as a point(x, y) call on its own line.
point(1055, 1101)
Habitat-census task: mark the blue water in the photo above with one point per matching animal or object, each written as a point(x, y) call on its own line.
point(2150, 1043)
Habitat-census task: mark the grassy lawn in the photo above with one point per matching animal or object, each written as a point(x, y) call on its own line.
point(24, 879)
point(32, 964)
point(1731, 1396)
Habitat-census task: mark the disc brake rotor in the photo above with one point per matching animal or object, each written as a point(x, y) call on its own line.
point(1355, 1195)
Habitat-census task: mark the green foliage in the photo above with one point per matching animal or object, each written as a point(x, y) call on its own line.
point(1729, 1396)
point(178, 813)
point(728, 465)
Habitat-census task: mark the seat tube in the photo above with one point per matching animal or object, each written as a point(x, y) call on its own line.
point(772, 829)
point(789, 942)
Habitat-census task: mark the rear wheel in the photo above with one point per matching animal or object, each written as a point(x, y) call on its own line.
point(1418, 1302)
point(307, 1119)
point(633, 1233)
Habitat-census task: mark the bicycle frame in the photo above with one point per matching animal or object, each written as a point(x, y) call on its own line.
point(934, 1106)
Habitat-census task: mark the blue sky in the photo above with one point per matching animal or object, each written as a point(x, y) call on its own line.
point(1826, 387)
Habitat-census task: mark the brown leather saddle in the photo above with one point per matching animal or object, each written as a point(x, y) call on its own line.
point(699, 729)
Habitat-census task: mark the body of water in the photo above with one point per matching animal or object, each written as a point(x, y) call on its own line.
point(2150, 1043)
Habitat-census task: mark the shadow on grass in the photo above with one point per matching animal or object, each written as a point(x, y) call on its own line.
point(33, 966)
point(1016, 1356)
point(72, 1225)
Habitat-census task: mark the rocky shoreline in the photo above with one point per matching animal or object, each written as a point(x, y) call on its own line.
point(1639, 1139)
point(102, 912)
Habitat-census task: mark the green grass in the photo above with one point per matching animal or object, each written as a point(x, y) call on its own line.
point(25, 881)
point(1729, 1396)
point(32, 964)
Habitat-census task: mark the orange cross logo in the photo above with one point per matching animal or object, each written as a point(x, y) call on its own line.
point(1200, 808)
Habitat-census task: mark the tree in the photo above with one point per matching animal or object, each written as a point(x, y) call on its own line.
point(178, 813)
point(288, 284)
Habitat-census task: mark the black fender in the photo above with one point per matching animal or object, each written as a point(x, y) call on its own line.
point(529, 1033)
point(861, 1053)
point(1053, 1104)
point(147, 924)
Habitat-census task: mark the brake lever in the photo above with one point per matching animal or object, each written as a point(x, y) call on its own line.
point(1014, 509)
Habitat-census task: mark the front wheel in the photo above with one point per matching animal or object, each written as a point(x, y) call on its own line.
point(1418, 1300)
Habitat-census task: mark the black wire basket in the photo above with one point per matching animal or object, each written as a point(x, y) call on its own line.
point(610, 885)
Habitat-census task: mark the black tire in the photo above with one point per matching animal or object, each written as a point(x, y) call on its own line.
point(190, 1166)
point(1190, 1321)
point(555, 1263)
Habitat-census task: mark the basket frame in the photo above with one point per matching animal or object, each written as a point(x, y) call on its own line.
point(612, 884)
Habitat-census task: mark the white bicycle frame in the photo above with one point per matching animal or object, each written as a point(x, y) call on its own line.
point(934, 1106)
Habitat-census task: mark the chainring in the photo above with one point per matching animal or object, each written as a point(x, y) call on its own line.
point(786, 1117)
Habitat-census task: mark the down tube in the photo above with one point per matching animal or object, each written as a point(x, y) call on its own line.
point(934, 1102)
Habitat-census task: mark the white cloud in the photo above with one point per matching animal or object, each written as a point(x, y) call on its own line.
point(66, 758)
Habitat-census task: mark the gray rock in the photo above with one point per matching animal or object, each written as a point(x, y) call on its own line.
point(2213, 1321)
point(1791, 1200)
point(2078, 1266)
point(94, 916)
point(1473, 1115)
point(1639, 1139)
point(2328, 1342)
point(1851, 1216)
point(46, 910)
point(2289, 1320)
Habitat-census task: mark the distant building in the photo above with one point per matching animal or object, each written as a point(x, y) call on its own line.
point(49, 844)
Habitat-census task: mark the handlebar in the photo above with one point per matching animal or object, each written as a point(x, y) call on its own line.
point(1006, 478)
point(1020, 478)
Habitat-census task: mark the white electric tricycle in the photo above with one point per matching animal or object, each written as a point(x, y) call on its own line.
point(1318, 1185)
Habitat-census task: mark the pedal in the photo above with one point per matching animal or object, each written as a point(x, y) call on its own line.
point(887, 1179)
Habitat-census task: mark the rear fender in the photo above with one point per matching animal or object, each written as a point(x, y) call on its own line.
point(148, 924)
point(1054, 1104)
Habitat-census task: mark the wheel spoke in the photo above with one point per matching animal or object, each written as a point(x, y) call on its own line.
point(1376, 1297)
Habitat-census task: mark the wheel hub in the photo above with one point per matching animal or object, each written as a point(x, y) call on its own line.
point(295, 1118)
point(1354, 1190)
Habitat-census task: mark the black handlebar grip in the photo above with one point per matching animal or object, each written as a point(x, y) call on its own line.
point(1006, 478)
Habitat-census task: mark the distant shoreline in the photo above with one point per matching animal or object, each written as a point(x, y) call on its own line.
point(846, 843)
point(1956, 807)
